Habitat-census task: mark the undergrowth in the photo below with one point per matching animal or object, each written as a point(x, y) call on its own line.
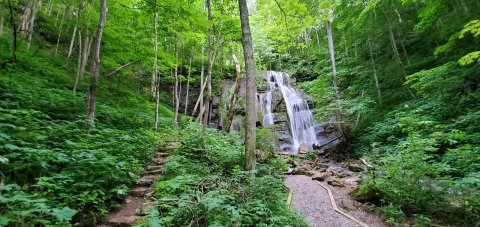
point(207, 187)
point(55, 168)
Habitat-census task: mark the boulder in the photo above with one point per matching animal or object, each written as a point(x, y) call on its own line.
point(335, 183)
point(320, 176)
point(355, 167)
point(352, 180)
point(304, 148)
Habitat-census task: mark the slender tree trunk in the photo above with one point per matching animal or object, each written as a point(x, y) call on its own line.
point(26, 18)
point(251, 90)
point(209, 72)
point(2, 16)
point(176, 93)
point(155, 86)
point(36, 6)
point(155, 49)
point(331, 49)
point(58, 15)
point(377, 84)
point(60, 33)
point(14, 32)
point(92, 90)
point(80, 61)
point(72, 42)
point(405, 52)
point(202, 88)
point(188, 81)
point(358, 114)
point(234, 98)
point(202, 81)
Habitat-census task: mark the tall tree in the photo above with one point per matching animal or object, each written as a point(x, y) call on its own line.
point(251, 89)
point(95, 68)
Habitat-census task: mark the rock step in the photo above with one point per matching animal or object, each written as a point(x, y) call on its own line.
point(153, 172)
point(127, 214)
point(147, 180)
point(155, 167)
point(160, 154)
point(158, 161)
point(140, 191)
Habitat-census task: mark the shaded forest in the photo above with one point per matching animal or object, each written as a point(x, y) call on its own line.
point(91, 91)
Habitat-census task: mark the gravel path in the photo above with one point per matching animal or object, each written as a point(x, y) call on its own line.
point(314, 203)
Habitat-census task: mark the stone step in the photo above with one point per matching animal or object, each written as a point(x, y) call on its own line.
point(140, 191)
point(153, 172)
point(160, 155)
point(158, 161)
point(145, 208)
point(147, 180)
point(126, 216)
point(155, 167)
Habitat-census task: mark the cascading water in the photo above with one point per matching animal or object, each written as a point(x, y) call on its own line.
point(300, 118)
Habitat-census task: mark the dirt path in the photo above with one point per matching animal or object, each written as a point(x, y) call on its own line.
point(140, 199)
point(314, 203)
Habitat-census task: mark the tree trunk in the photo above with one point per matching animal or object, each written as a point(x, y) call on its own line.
point(331, 49)
point(36, 6)
point(92, 89)
point(176, 93)
point(188, 82)
point(234, 98)
point(202, 88)
point(206, 113)
point(251, 89)
point(58, 15)
point(14, 32)
point(25, 19)
point(80, 61)
point(155, 49)
point(72, 42)
point(155, 86)
point(1, 21)
point(377, 84)
point(60, 33)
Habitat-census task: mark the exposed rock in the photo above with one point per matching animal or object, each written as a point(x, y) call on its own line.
point(303, 169)
point(304, 148)
point(320, 176)
point(321, 170)
point(355, 167)
point(335, 183)
point(354, 180)
point(338, 173)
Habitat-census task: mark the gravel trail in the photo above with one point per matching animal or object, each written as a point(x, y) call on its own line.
point(314, 203)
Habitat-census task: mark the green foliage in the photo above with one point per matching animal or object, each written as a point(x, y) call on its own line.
point(20, 208)
point(56, 169)
point(206, 187)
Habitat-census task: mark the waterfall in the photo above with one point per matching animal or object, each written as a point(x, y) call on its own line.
point(300, 119)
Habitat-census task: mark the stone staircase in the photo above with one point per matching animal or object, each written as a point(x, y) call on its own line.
point(140, 200)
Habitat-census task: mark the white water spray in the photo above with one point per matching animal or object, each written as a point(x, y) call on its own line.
point(300, 118)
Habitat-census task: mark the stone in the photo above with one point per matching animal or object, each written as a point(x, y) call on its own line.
point(338, 173)
point(355, 167)
point(304, 148)
point(335, 183)
point(139, 191)
point(303, 169)
point(352, 180)
point(320, 176)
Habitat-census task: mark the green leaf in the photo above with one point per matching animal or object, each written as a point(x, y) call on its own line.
point(64, 214)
